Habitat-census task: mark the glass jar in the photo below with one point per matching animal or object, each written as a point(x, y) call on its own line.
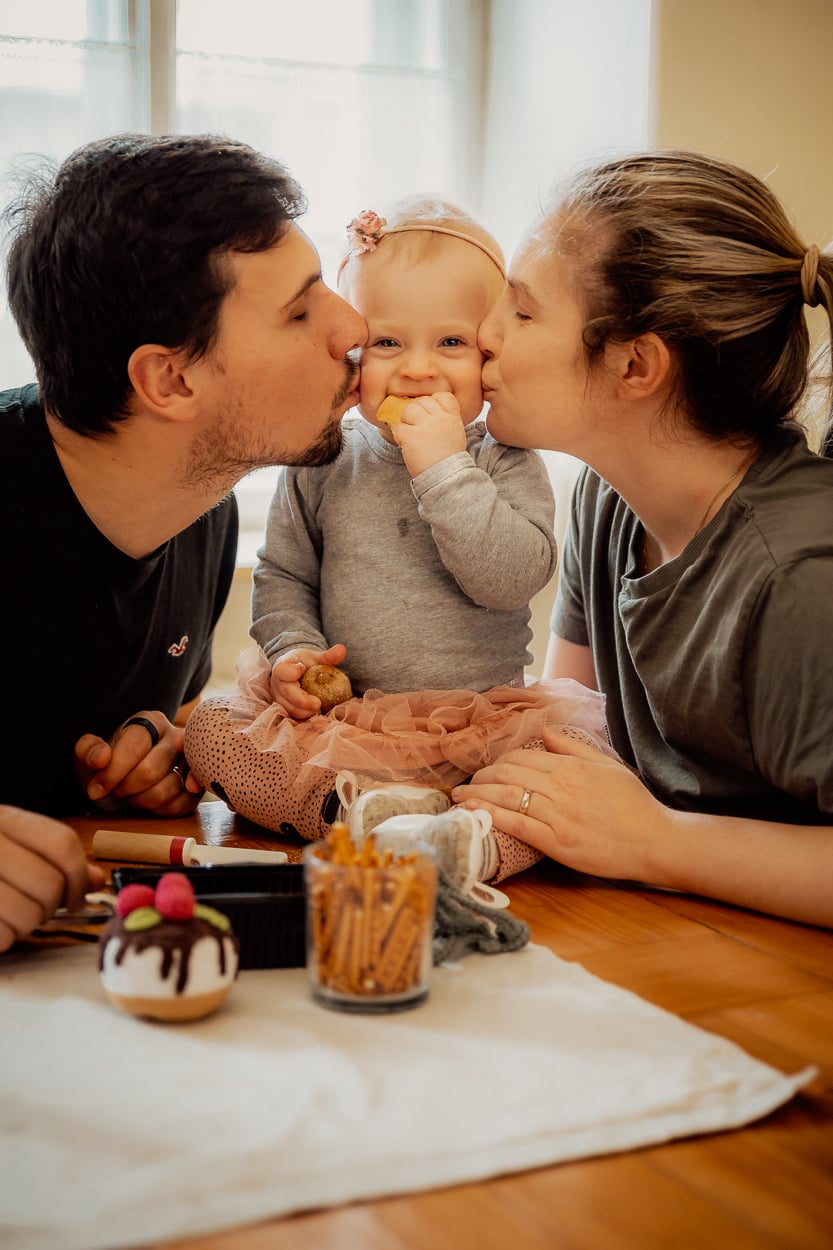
point(370, 927)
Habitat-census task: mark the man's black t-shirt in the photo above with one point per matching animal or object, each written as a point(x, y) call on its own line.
point(88, 635)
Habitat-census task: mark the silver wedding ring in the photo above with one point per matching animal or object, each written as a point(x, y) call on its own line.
point(525, 801)
point(181, 771)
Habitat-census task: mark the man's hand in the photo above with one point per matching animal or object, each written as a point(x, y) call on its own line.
point(137, 766)
point(42, 867)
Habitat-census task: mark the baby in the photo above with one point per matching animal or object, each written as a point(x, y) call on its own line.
point(410, 560)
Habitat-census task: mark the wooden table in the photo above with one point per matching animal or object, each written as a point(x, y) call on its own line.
point(766, 984)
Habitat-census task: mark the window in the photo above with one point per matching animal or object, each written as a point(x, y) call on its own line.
point(301, 81)
point(69, 70)
point(363, 100)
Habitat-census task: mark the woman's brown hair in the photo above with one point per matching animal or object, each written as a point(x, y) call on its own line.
point(701, 253)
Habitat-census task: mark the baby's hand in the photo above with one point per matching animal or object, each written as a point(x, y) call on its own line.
point(430, 430)
point(286, 676)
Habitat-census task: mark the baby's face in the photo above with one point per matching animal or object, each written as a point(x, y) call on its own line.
point(422, 323)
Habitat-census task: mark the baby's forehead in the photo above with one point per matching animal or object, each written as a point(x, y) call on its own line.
point(465, 280)
point(458, 310)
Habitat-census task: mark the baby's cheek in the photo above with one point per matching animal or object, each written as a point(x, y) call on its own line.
point(371, 392)
point(368, 403)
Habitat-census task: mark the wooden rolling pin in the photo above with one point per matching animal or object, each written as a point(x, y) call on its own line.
point(158, 848)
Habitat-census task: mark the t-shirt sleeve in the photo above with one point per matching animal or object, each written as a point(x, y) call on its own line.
point(568, 620)
point(789, 680)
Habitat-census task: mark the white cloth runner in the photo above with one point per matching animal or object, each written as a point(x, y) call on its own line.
point(116, 1132)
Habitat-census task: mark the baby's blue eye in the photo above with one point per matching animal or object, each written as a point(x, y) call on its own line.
point(452, 341)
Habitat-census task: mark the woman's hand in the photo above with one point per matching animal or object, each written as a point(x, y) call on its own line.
point(585, 810)
point(593, 814)
point(286, 675)
point(42, 867)
point(142, 765)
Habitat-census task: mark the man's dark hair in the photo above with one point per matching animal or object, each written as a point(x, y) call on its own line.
point(125, 245)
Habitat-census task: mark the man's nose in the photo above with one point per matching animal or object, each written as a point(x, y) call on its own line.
point(349, 332)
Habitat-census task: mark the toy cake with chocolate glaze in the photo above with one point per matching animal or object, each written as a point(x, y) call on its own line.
point(164, 956)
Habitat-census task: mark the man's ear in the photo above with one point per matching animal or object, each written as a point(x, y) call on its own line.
point(643, 366)
point(159, 379)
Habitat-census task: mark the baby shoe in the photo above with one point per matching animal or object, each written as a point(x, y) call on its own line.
point(362, 810)
point(463, 845)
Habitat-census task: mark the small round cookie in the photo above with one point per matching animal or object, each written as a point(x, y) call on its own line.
point(329, 684)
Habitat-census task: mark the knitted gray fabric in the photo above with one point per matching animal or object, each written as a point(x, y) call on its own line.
point(463, 925)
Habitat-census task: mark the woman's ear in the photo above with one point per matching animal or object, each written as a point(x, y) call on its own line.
point(160, 383)
point(642, 366)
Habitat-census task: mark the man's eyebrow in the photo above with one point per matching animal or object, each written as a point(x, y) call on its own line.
point(303, 288)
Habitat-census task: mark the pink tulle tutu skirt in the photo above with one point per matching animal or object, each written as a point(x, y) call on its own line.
point(435, 738)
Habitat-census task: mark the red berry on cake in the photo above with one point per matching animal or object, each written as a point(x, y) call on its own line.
point(133, 896)
point(175, 897)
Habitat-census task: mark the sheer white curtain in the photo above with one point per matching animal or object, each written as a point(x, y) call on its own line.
point(363, 101)
point(69, 70)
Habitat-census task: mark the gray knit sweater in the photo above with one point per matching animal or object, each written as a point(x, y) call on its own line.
point(426, 582)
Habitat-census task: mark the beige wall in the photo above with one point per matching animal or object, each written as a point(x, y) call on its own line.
point(751, 80)
point(232, 633)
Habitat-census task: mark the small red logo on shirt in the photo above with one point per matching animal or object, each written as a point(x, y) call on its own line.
point(178, 648)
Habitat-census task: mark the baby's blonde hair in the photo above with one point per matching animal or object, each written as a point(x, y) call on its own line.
point(413, 225)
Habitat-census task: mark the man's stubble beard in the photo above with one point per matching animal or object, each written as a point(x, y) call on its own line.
point(219, 458)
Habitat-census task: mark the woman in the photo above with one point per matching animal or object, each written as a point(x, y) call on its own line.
point(654, 327)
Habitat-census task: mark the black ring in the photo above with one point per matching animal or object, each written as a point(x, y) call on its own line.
point(146, 724)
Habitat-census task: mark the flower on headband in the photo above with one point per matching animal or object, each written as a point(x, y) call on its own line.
point(365, 231)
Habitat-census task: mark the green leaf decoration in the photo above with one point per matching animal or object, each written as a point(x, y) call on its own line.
point(142, 918)
point(215, 918)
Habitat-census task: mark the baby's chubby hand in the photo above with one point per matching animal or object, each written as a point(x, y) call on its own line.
point(431, 429)
point(287, 673)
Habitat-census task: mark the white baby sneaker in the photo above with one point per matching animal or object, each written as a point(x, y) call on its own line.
point(363, 810)
point(462, 842)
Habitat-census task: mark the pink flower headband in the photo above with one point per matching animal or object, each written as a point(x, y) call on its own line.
point(366, 231)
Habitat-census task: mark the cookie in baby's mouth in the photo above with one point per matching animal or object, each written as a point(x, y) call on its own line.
point(390, 410)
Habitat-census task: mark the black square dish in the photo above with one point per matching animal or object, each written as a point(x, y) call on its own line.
point(265, 903)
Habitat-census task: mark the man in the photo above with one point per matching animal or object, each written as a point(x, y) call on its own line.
point(182, 336)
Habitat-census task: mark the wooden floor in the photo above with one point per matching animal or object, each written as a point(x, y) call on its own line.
point(763, 983)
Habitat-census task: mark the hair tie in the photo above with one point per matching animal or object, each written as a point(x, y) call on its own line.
point(809, 275)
